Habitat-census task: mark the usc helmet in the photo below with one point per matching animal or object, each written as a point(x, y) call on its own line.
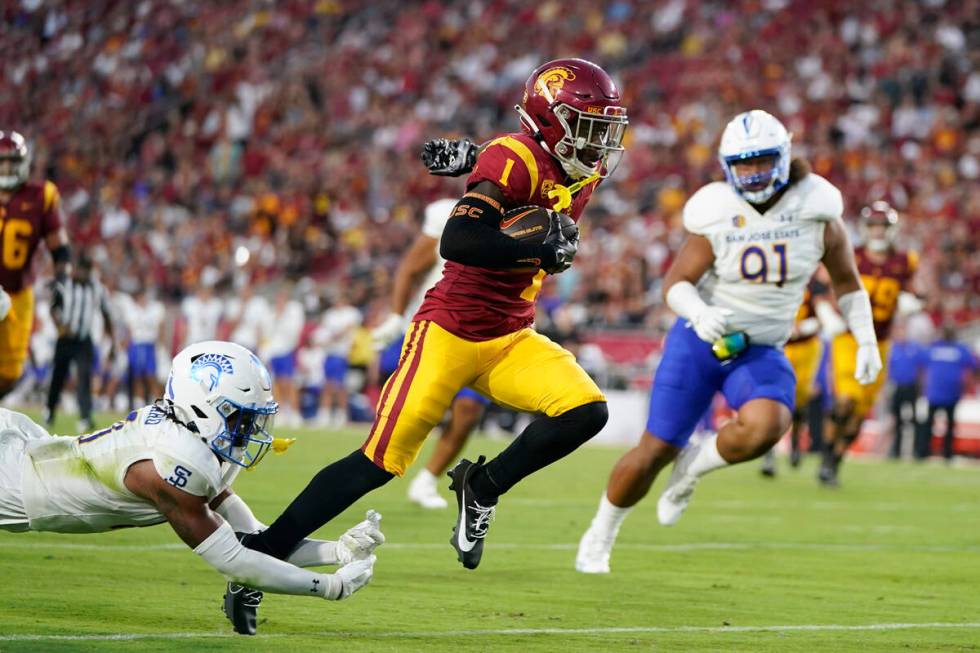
point(879, 214)
point(13, 147)
point(573, 108)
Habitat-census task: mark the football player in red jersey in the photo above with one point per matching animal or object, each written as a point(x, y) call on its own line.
point(29, 213)
point(474, 327)
point(887, 273)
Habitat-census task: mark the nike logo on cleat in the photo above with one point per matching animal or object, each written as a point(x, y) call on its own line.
point(465, 544)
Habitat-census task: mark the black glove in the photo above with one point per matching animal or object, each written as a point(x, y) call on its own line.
point(449, 158)
point(564, 247)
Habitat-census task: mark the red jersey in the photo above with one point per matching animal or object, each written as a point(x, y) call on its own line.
point(808, 308)
point(480, 303)
point(884, 282)
point(31, 213)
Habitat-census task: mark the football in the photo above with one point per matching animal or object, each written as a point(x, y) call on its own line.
point(533, 224)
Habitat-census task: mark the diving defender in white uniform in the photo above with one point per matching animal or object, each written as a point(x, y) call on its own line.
point(174, 461)
point(753, 243)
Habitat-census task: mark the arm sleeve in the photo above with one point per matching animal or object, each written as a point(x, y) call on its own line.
point(473, 237)
point(856, 309)
point(224, 552)
point(236, 512)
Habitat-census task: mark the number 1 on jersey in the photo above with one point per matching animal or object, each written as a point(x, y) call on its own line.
point(758, 270)
point(505, 175)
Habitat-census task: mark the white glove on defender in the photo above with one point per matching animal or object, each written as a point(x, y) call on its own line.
point(867, 366)
point(711, 322)
point(360, 541)
point(5, 304)
point(354, 576)
point(392, 327)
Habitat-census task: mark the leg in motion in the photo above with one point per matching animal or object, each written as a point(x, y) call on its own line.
point(465, 415)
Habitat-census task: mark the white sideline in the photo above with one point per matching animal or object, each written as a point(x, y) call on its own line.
point(680, 547)
point(508, 631)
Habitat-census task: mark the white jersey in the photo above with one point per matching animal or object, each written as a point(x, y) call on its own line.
point(762, 262)
point(252, 317)
point(436, 216)
point(75, 484)
point(336, 330)
point(202, 317)
point(284, 330)
point(143, 321)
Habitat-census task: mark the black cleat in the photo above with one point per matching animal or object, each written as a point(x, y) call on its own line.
point(828, 476)
point(768, 471)
point(794, 457)
point(474, 519)
point(241, 605)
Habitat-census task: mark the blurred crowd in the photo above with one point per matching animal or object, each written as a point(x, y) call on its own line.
point(212, 147)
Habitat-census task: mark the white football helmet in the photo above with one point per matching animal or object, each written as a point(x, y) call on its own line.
point(751, 135)
point(225, 391)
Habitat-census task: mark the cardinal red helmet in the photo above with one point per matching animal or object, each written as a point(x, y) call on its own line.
point(879, 214)
point(573, 108)
point(15, 160)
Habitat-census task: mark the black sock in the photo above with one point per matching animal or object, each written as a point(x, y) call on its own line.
point(544, 441)
point(332, 490)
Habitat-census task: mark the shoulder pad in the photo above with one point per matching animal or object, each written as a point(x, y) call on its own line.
point(820, 199)
point(912, 260)
point(52, 198)
point(509, 163)
point(186, 462)
point(706, 207)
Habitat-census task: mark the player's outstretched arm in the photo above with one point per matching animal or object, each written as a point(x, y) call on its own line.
point(695, 257)
point(853, 300)
point(214, 540)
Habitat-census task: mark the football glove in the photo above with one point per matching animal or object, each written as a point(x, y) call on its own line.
point(867, 365)
point(564, 248)
point(355, 575)
point(711, 322)
point(360, 541)
point(449, 158)
point(383, 334)
point(5, 304)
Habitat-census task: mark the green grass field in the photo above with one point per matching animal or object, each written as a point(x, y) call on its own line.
point(890, 562)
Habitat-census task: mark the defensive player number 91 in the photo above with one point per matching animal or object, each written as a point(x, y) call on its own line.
point(761, 270)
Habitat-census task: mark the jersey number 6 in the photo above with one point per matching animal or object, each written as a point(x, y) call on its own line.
point(755, 264)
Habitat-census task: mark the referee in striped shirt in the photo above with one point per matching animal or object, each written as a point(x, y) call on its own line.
point(73, 305)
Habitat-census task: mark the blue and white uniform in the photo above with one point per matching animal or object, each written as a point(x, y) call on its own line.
point(76, 484)
point(762, 265)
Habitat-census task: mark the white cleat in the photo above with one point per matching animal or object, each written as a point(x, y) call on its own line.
point(593, 552)
point(422, 490)
point(673, 502)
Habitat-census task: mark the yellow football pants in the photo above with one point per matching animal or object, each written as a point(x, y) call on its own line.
point(843, 354)
point(15, 334)
point(804, 357)
point(523, 370)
